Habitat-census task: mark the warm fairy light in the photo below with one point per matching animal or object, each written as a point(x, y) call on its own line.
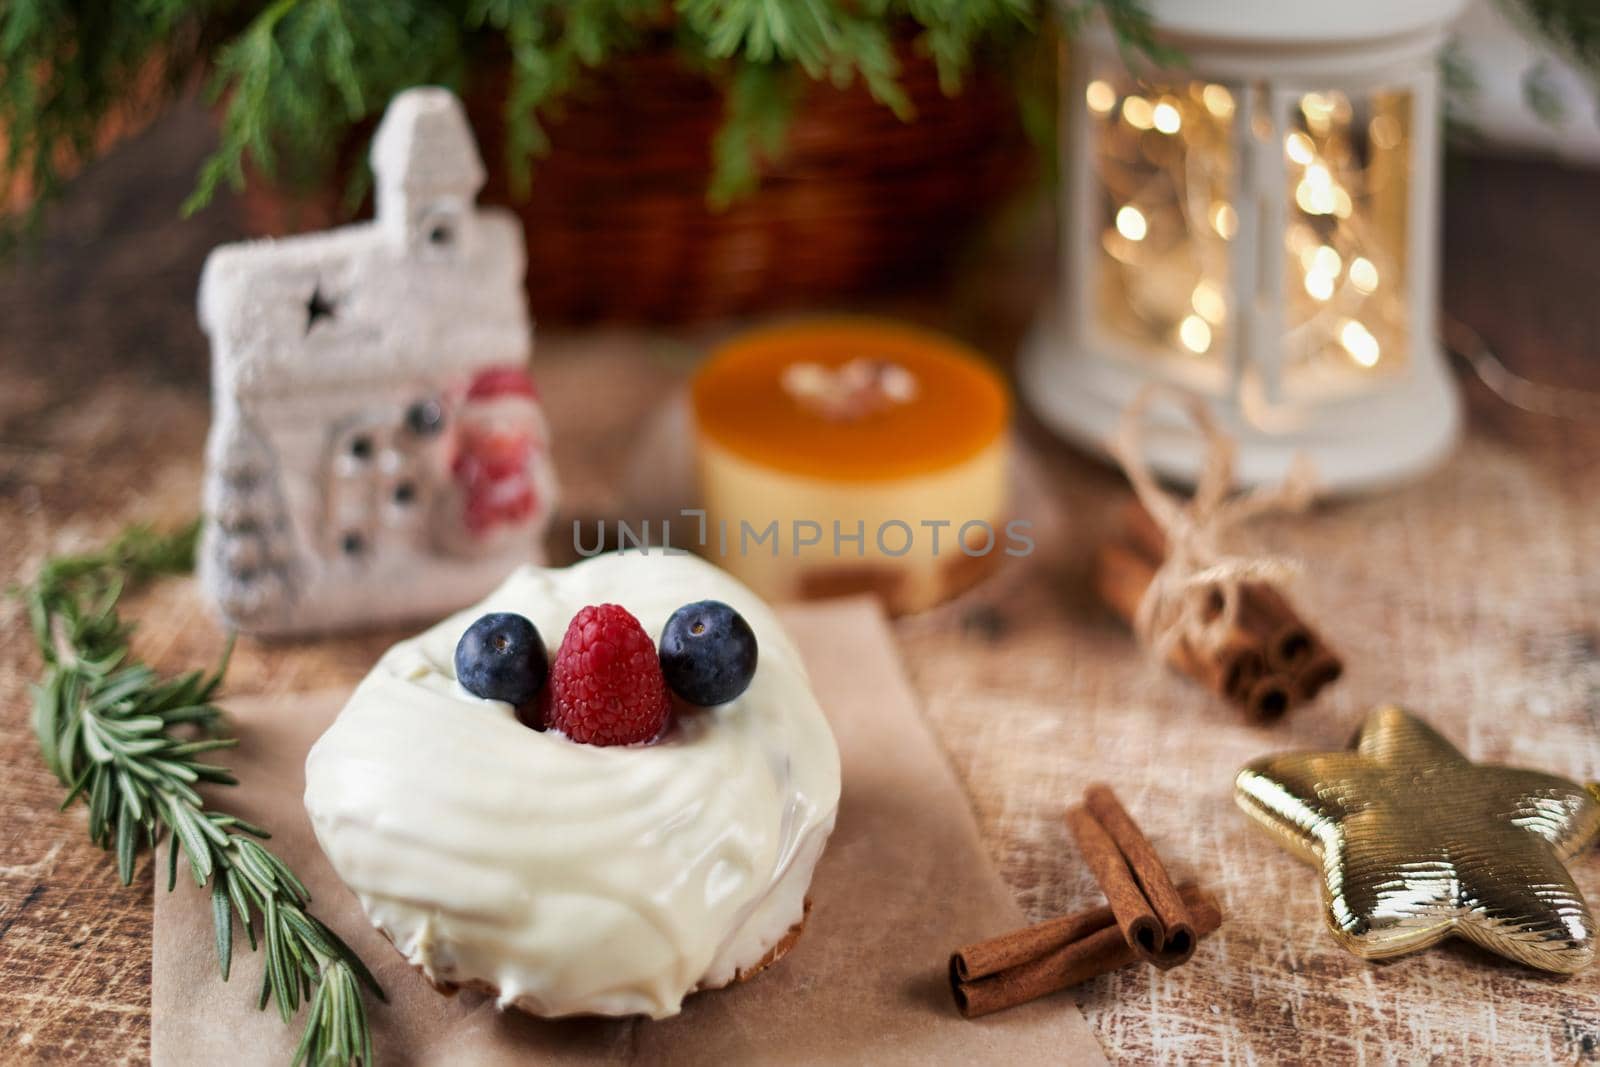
point(1137, 112)
point(1359, 342)
point(1224, 220)
point(1322, 265)
point(1218, 101)
point(1363, 275)
point(1326, 261)
point(1174, 231)
point(1302, 241)
point(1194, 333)
point(1131, 223)
point(1119, 247)
point(1208, 301)
point(1309, 199)
point(1315, 192)
point(1385, 132)
point(1100, 97)
point(1318, 110)
point(1299, 147)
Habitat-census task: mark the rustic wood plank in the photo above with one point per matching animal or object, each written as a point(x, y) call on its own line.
point(1472, 596)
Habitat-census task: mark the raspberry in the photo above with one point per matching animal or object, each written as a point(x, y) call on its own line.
point(606, 686)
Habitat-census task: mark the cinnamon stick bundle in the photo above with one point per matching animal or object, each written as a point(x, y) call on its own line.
point(1270, 661)
point(1264, 613)
point(1237, 671)
point(1145, 917)
point(1022, 966)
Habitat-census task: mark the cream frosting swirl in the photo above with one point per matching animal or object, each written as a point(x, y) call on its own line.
point(578, 879)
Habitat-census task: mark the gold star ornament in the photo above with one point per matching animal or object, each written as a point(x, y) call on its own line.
point(1417, 843)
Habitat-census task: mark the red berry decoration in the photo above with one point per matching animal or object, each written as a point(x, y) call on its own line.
point(606, 686)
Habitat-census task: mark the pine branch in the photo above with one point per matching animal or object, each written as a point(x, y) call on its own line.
point(760, 101)
point(303, 73)
point(955, 30)
point(129, 744)
point(1572, 25)
point(827, 39)
point(1130, 24)
point(296, 78)
point(551, 46)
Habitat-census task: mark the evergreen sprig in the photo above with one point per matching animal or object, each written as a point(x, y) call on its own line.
point(1572, 25)
point(128, 743)
point(294, 78)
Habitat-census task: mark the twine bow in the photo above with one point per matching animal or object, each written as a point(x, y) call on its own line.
point(1195, 594)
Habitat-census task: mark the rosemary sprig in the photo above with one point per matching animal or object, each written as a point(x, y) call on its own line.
point(128, 743)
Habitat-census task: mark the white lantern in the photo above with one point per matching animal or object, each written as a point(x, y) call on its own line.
point(1258, 224)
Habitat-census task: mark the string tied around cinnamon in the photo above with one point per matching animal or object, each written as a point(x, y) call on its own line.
point(1196, 593)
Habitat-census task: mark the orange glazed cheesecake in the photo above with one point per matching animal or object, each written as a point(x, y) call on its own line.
point(849, 455)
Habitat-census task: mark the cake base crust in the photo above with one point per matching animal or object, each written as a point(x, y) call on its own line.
point(450, 987)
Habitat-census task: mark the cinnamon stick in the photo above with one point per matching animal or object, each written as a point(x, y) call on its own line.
point(1269, 698)
point(1232, 672)
point(985, 958)
point(1311, 679)
point(1136, 919)
point(1289, 641)
point(1177, 942)
point(1068, 963)
point(1121, 575)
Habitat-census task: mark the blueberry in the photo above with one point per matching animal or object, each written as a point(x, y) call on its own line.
point(502, 657)
point(708, 653)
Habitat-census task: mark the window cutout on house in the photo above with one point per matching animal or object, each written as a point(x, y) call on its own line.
point(243, 479)
point(425, 418)
point(319, 307)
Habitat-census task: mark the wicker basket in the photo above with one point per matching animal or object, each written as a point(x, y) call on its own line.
point(617, 223)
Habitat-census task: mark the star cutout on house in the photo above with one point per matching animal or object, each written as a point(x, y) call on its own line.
point(1418, 843)
point(319, 307)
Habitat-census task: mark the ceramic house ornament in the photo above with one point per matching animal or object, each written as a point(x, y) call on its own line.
point(377, 449)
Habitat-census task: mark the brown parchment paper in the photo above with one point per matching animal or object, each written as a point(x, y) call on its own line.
point(903, 882)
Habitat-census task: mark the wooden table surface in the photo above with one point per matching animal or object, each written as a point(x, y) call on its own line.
point(1473, 596)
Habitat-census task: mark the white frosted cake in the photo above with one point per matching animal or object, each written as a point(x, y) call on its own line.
point(580, 878)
